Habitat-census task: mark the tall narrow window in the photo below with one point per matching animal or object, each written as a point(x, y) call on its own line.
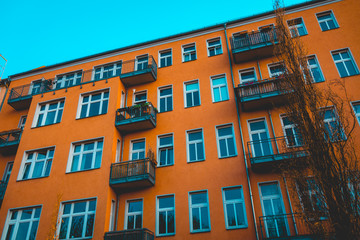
point(297, 27)
point(68, 80)
point(112, 216)
point(259, 135)
point(49, 113)
point(195, 145)
point(314, 69)
point(165, 215)
point(22, 224)
point(327, 20)
point(77, 219)
point(134, 214)
point(226, 141)
point(141, 62)
point(37, 163)
point(292, 135)
point(189, 52)
point(22, 122)
point(107, 71)
point(93, 104)
point(165, 58)
point(7, 172)
point(333, 128)
point(85, 155)
point(344, 62)
point(165, 99)
point(219, 88)
point(165, 150)
point(356, 107)
point(137, 149)
point(199, 212)
point(192, 94)
point(214, 47)
point(234, 208)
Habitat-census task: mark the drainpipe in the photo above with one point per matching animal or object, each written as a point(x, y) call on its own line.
point(291, 209)
point(273, 131)
point(258, 65)
point(241, 135)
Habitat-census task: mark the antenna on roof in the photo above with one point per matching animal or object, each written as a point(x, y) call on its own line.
point(3, 62)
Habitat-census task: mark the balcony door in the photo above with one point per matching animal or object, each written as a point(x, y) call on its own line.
point(260, 140)
point(274, 218)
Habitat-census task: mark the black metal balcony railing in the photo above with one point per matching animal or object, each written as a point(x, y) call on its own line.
point(246, 41)
point(139, 71)
point(285, 226)
point(3, 186)
point(265, 151)
point(136, 118)
point(9, 141)
point(134, 234)
point(134, 173)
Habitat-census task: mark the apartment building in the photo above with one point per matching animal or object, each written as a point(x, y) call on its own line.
point(172, 138)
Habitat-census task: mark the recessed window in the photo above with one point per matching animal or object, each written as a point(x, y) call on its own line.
point(68, 80)
point(85, 155)
point(165, 215)
point(234, 208)
point(189, 52)
point(195, 145)
point(165, 101)
point(345, 63)
point(22, 223)
point(267, 28)
point(137, 150)
point(327, 20)
point(356, 107)
point(226, 141)
point(134, 214)
point(77, 219)
point(192, 94)
point(37, 163)
point(297, 27)
point(49, 113)
point(291, 132)
point(219, 88)
point(241, 39)
point(140, 97)
point(165, 150)
point(93, 104)
point(333, 128)
point(214, 47)
point(36, 87)
point(7, 172)
point(199, 212)
point(165, 58)
point(247, 75)
point(276, 69)
point(107, 71)
point(314, 69)
point(22, 122)
point(141, 62)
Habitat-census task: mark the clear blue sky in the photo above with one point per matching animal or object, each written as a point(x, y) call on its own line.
point(35, 33)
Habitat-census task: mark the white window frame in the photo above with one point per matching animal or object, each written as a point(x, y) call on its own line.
point(35, 86)
point(166, 148)
point(165, 57)
point(133, 213)
point(184, 53)
point(7, 171)
point(270, 65)
point(219, 87)
point(217, 48)
point(339, 51)
point(165, 97)
point(144, 64)
point(137, 151)
point(294, 28)
point(112, 215)
point(191, 91)
point(247, 70)
point(58, 110)
point(313, 67)
point(22, 121)
point(233, 202)
point(332, 17)
point(90, 101)
point(64, 82)
point(250, 132)
point(195, 142)
point(199, 205)
point(158, 210)
point(16, 222)
point(357, 115)
point(115, 68)
point(218, 138)
point(135, 102)
point(70, 215)
point(81, 153)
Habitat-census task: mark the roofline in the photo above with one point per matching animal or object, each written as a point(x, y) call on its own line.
point(166, 38)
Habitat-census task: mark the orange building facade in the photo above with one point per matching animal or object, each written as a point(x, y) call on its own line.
point(172, 138)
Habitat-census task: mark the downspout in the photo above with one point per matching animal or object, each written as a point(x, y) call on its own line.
point(241, 134)
point(258, 65)
point(273, 131)
point(2, 102)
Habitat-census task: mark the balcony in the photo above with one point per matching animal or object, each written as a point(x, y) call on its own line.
point(132, 174)
point(285, 226)
point(138, 71)
point(265, 93)
point(9, 141)
point(266, 154)
point(254, 45)
point(3, 186)
point(134, 234)
point(136, 118)
point(20, 97)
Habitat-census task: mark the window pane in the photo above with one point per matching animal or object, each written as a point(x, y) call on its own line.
point(166, 202)
point(162, 222)
point(230, 215)
point(76, 226)
point(195, 218)
point(204, 218)
point(197, 198)
point(232, 194)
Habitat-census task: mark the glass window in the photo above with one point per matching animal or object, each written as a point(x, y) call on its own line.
point(7, 172)
point(297, 27)
point(68, 80)
point(134, 214)
point(214, 47)
point(93, 104)
point(195, 146)
point(22, 122)
point(292, 135)
point(140, 97)
point(141, 62)
point(315, 198)
point(137, 149)
point(219, 88)
point(166, 150)
point(344, 62)
point(22, 224)
point(356, 107)
point(165, 215)
point(247, 75)
point(327, 20)
point(226, 141)
point(314, 69)
point(189, 52)
point(86, 155)
point(260, 140)
point(199, 212)
point(192, 94)
point(36, 87)
point(107, 71)
point(49, 113)
point(77, 219)
point(276, 70)
point(332, 125)
point(234, 208)
point(165, 58)
point(37, 163)
point(165, 99)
